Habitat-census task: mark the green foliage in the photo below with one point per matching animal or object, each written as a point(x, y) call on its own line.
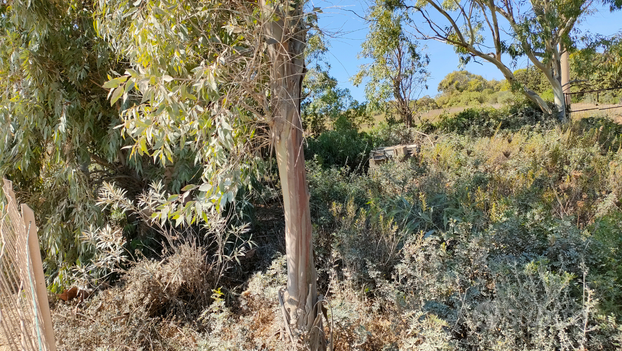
point(532, 78)
point(425, 103)
point(328, 185)
point(129, 93)
point(58, 142)
point(608, 275)
point(461, 81)
point(394, 134)
point(486, 122)
point(344, 146)
point(504, 98)
point(324, 104)
point(599, 66)
point(606, 132)
point(462, 88)
point(180, 105)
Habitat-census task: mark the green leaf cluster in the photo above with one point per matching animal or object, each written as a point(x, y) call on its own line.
point(58, 140)
point(184, 92)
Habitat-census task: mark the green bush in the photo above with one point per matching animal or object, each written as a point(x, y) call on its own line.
point(602, 131)
point(344, 147)
point(607, 97)
point(504, 97)
point(608, 247)
point(548, 95)
point(425, 103)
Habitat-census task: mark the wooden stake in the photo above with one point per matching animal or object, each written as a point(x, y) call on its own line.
point(37, 268)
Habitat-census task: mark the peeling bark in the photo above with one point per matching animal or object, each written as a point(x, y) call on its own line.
point(286, 38)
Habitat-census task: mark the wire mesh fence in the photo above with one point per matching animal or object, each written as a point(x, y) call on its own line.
point(25, 322)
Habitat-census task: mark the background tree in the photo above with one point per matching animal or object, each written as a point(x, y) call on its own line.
point(398, 71)
point(613, 4)
point(536, 30)
point(218, 80)
point(460, 81)
point(599, 65)
point(323, 102)
point(462, 88)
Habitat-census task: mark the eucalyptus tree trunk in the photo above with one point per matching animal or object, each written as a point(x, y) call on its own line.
point(286, 38)
point(560, 101)
point(554, 76)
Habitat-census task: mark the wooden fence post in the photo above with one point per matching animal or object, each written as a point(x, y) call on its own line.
point(37, 268)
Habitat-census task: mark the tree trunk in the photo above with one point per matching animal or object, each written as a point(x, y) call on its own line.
point(565, 64)
point(535, 98)
point(404, 111)
point(286, 38)
point(560, 100)
point(553, 75)
point(531, 95)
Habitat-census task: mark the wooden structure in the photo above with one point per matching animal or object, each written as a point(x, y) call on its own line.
point(381, 155)
point(25, 320)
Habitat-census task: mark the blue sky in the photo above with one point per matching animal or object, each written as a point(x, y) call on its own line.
point(348, 31)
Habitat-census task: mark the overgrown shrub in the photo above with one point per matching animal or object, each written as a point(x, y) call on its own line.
point(499, 238)
point(607, 97)
point(395, 134)
point(156, 306)
point(485, 122)
point(505, 237)
point(425, 103)
point(607, 272)
point(503, 97)
point(182, 278)
point(340, 147)
point(601, 131)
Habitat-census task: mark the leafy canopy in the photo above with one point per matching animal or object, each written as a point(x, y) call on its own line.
point(398, 71)
point(58, 141)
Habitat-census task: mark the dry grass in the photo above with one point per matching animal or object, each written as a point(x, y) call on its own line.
point(157, 306)
point(107, 322)
point(584, 110)
point(168, 286)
